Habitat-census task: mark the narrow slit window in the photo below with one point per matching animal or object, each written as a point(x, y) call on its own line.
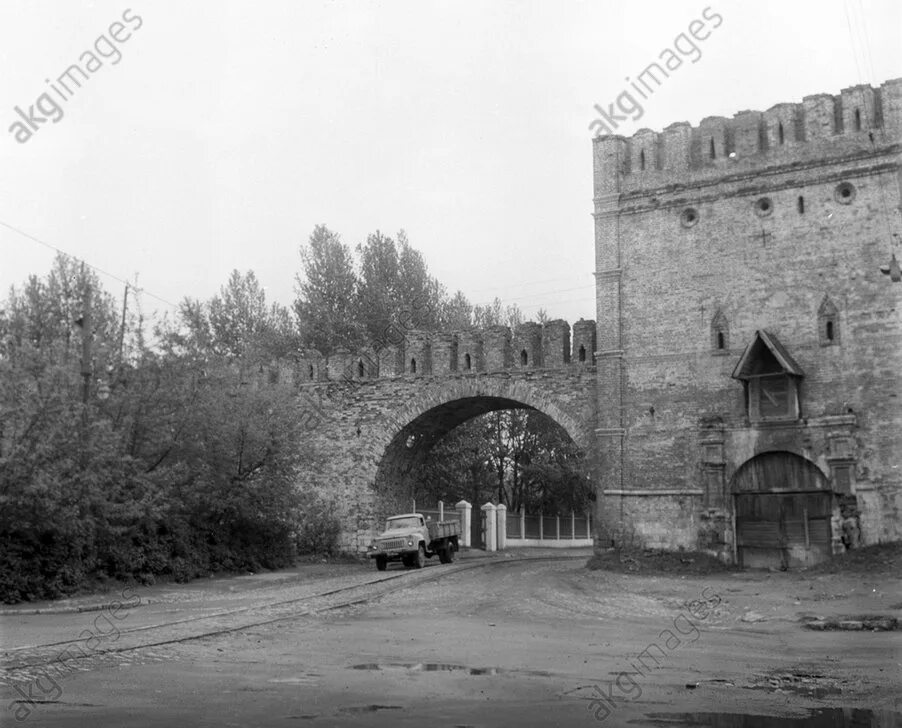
point(780, 135)
point(642, 160)
point(413, 366)
point(468, 363)
point(582, 353)
point(721, 341)
point(857, 120)
point(360, 370)
point(712, 152)
point(310, 371)
point(524, 358)
point(801, 205)
point(828, 331)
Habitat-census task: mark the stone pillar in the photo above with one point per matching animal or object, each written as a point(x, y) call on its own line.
point(501, 518)
point(464, 510)
point(490, 527)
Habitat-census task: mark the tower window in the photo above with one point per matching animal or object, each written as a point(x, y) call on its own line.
point(828, 323)
point(310, 371)
point(780, 136)
point(720, 332)
point(413, 366)
point(857, 120)
point(642, 159)
point(360, 370)
point(712, 152)
point(524, 358)
point(801, 205)
point(582, 353)
point(468, 363)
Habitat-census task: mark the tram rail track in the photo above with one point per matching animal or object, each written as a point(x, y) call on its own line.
point(30, 657)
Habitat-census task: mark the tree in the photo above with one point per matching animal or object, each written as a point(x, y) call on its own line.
point(325, 305)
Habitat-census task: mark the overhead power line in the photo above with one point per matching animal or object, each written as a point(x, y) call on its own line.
point(101, 271)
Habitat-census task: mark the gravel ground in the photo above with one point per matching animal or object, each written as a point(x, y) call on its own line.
point(509, 643)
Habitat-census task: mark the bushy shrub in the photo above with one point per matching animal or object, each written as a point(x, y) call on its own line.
point(319, 529)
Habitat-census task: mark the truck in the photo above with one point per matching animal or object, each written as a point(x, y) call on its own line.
point(411, 538)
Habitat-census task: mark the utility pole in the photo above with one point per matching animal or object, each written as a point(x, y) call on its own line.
point(122, 326)
point(87, 334)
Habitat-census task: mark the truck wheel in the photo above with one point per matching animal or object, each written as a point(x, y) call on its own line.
point(449, 554)
point(381, 563)
point(443, 556)
point(420, 559)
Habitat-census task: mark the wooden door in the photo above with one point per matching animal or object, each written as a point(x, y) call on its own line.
point(783, 512)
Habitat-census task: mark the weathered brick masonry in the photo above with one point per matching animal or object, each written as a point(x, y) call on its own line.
point(775, 221)
point(373, 415)
point(741, 390)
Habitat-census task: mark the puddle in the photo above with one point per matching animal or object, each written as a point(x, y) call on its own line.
point(372, 708)
point(445, 667)
point(820, 718)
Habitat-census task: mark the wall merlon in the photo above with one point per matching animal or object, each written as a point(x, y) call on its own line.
point(527, 345)
point(470, 351)
point(820, 116)
point(851, 122)
point(497, 348)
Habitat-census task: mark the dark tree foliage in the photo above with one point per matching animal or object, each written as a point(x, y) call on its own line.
point(520, 458)
point(180, 460)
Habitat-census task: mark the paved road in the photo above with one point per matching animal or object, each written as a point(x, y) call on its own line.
point(508, 643)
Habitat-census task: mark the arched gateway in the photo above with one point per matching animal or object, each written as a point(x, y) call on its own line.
point(371, 429)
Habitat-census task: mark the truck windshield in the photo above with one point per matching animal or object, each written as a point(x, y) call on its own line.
point(395, 524)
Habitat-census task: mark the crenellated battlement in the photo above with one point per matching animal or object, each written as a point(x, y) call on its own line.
point(422, 353)
point(822, 126)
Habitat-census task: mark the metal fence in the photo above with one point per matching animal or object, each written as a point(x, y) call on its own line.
point(560, 527)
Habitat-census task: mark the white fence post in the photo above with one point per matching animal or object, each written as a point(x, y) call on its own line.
point(464, 511)
point(441, 510)
point(490, 527)
point(557, 527)
point(541, 525)
point(522, 523)
point(501, 518)
point(572, 524)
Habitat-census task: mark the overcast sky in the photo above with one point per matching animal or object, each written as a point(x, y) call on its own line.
point(227, 130)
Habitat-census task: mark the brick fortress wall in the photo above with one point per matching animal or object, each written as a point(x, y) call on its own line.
point(776, 220)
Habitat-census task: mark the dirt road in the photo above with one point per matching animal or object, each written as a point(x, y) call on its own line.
point(480, 643)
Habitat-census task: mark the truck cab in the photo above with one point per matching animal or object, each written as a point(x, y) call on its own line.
point(410, 538)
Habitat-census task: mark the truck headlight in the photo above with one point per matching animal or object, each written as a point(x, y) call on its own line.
point(409, 542)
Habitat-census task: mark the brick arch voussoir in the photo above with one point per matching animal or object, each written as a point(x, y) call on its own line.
point(439, 394)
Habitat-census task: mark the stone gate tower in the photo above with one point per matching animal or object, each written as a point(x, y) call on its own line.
point(749, 346)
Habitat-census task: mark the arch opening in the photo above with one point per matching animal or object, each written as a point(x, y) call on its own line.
point(485, 448)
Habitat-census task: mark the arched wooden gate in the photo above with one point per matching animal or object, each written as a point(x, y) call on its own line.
point(783, 506)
